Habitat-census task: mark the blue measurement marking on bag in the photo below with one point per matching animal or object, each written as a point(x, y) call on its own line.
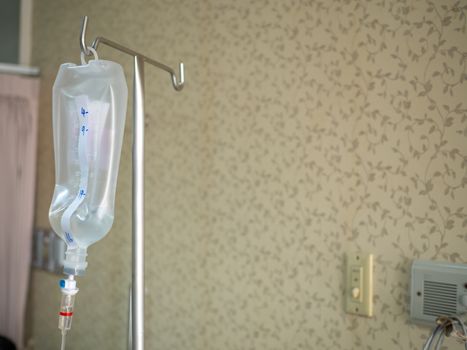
point(81, 103)
point(84, 129)
point(69, 237)
point(84, 112)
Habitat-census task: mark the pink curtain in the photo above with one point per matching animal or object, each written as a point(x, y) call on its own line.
point(18, 146)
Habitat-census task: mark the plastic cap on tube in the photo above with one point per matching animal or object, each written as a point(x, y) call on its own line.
point(75, 261)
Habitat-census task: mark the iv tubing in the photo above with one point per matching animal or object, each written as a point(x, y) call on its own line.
point(69, 291)
point(62, 347)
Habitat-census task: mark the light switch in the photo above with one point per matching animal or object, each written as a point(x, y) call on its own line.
point(356, 293)
point(359, 284)
point(356, 279)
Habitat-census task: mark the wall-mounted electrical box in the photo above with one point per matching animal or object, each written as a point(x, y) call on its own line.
point(48, 251)
point(359, 284)
point(437, 289)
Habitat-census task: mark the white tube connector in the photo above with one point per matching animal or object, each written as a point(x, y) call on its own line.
point(69, 290)
point(75, 261)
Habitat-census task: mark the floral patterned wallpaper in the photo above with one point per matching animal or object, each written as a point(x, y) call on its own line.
point(307, 129)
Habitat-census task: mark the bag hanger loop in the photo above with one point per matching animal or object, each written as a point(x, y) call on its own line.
point(91, 51)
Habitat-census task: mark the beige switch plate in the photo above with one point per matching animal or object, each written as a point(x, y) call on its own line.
point(359, 274)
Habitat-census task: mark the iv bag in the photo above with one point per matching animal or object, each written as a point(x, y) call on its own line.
point(89, 108)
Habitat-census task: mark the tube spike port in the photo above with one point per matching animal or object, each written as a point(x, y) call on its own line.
point(69, 290)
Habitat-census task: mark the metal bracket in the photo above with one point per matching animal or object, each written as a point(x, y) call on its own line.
point(177, 84)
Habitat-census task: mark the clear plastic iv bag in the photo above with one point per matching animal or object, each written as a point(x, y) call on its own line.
point(89, 108)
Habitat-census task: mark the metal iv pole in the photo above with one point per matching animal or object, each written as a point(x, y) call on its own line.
point(137, 290)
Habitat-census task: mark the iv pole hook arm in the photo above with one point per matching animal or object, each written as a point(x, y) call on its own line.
point(177, 83)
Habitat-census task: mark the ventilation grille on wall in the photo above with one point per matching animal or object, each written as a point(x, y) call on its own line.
point(439, 298)
point(437, 289)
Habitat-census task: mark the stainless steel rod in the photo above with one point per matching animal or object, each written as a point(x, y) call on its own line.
point(138, 207)
point(136, 337)
point(130, 323)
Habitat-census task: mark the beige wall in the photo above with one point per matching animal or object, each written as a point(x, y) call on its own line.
point(307, 129)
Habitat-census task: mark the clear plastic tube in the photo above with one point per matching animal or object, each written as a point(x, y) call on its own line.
point(62, 346)
point(67, 303)
point(66, 311)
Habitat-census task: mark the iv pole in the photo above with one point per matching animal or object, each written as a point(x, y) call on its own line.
point(137, 290)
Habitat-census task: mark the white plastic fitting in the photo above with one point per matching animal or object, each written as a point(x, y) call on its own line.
point(69, 290)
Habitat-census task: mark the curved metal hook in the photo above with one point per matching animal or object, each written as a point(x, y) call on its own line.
point(82, 36)
point(177, 84)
